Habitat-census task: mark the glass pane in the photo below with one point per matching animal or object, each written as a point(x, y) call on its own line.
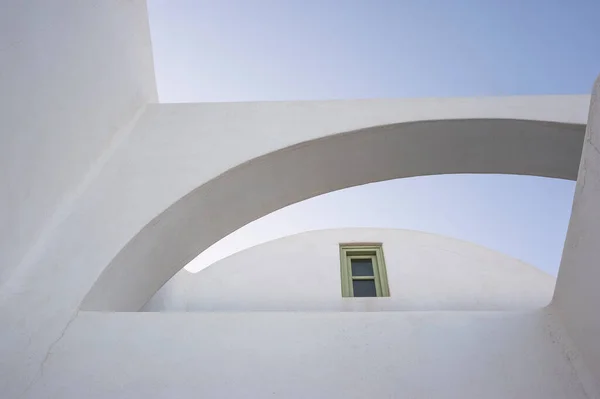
point(364, 288)
point(362, 267)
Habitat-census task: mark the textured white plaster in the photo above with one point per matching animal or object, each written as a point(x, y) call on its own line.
point(311, 355)
point(577, 294)
point(72, 74)
point(302, 272)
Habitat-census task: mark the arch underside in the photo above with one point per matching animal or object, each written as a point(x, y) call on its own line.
point(275, 180)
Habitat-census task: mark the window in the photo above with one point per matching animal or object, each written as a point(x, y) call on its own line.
point(363, 271)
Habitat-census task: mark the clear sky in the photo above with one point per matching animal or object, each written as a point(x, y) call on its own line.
point(242, 50)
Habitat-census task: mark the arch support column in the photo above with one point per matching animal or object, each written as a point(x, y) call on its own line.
point(577, 295)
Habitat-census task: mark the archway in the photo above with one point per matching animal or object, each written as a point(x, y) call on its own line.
point(283, 177)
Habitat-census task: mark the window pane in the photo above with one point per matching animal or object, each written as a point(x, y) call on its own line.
point(364, 288)
point(362, 267)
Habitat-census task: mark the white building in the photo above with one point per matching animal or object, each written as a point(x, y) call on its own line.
point(424, 272)
point(108, 194)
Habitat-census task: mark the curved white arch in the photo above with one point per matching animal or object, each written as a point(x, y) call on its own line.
point(279, 178)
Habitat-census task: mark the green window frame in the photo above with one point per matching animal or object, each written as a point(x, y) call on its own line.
point(361, 252)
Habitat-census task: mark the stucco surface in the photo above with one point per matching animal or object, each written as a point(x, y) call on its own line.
point(172, 188)
point(302, 272)
point(577, 294)
point(311, 355)
point(72, 76)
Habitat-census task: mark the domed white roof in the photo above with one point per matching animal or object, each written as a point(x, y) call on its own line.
point(302, 272)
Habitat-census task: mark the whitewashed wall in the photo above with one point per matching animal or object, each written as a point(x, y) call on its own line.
point(214, 355)
point(302, 272)
point(73, 74)
point(577, 295)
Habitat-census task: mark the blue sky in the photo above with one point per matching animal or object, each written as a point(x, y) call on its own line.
point(311, 50)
